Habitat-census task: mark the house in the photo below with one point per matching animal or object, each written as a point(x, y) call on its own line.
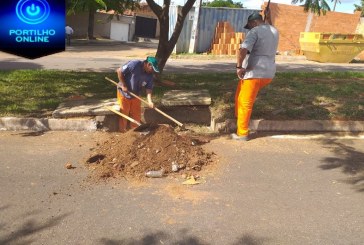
point(125, 27)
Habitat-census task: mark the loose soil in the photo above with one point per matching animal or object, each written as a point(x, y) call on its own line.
point(133, 154)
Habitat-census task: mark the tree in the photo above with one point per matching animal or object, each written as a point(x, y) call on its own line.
point(360, 8)
point(223, 3)
point(335, 4)
point(90, 6)
point(166, 44)
point(314, 6)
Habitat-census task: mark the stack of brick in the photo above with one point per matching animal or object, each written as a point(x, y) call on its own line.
point(226, 41)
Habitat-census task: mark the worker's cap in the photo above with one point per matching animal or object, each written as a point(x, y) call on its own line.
point(253, 16)
point(153, 62)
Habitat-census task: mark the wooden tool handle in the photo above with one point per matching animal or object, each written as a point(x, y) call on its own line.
point(267, 8)
point(155, 108)
point(124, 116)
point(112, 81)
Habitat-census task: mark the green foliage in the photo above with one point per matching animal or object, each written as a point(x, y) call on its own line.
point(119, 6)
point(360, 7)
point(223, 3)
point(315, 6)
point(79, 6)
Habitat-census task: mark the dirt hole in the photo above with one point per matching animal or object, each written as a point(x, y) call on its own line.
point(133, 154)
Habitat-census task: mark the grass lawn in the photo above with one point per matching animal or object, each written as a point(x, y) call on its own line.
point(321, 96)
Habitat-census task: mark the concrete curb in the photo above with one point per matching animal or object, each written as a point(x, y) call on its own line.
point(46, 124)
point(90, 124)
point(293, 126)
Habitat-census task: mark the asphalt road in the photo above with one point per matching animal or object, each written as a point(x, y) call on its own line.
point(265, 191)
point(107, 57)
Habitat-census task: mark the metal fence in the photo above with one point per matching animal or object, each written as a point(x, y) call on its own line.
point(209, 17)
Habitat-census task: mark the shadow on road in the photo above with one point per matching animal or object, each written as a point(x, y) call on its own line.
point(183, 238)
point(348, 159)
point(12, 64)
point(31, 134)
point(154, 239)
point(4, 207)
point(30, 226)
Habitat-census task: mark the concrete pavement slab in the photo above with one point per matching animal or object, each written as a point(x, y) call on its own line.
point(46, 124)
point(85, 107)
point(186, 97)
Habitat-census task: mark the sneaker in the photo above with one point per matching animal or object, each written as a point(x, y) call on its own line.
point(241, 138)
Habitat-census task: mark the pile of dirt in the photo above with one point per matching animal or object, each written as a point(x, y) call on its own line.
point(133, 154)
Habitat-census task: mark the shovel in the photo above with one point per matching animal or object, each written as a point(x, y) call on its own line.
point(155, 108)
point(141, 127)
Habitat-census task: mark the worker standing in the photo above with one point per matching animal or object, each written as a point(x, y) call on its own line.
point(261, 43)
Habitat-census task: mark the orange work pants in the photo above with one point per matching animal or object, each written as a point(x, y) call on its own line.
point(131, 108)
point(246, 93)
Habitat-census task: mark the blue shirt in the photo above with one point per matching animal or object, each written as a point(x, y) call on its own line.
point(135, 78)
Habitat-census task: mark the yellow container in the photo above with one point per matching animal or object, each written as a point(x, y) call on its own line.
point(331, 47)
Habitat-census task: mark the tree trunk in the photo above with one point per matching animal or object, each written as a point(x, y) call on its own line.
point(166, 44)
point(309, 21)
point(91, 21)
